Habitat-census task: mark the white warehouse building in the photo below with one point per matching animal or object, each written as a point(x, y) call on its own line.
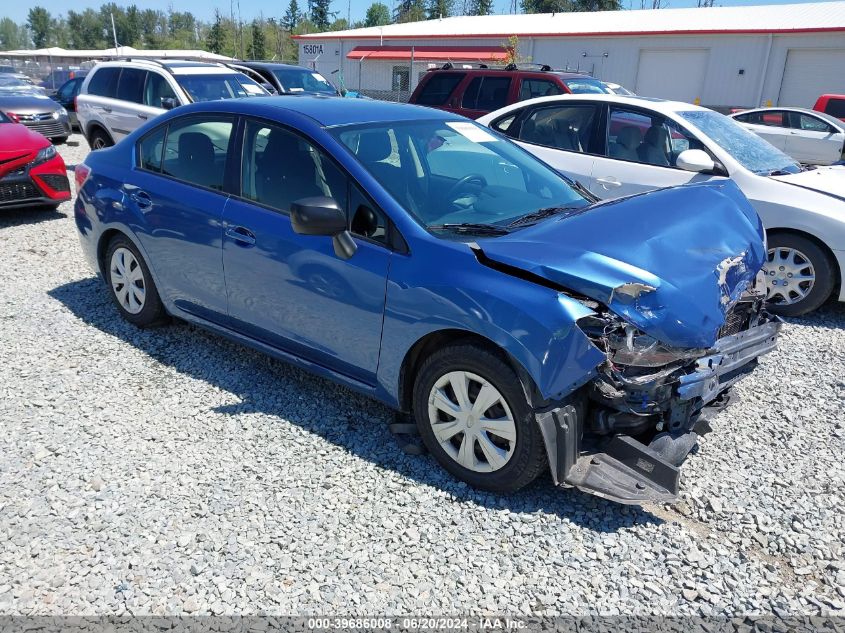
point(786, 54)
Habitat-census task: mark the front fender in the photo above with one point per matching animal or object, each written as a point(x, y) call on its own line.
point(534, 324)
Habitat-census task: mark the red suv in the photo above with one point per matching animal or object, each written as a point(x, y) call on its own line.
point(473, 92)
point(834, 105)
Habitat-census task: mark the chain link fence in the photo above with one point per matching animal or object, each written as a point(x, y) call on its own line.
point(49, 74)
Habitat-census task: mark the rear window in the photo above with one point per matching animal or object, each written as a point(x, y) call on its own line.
point(586, 85)
point(217, 86)
point(439, 88)
point(835, 107)
point(104, 82)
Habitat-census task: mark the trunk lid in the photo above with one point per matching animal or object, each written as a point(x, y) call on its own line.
point(671, 262)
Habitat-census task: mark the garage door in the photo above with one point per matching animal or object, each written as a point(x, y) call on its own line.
point(809, 74)
point(676, 74)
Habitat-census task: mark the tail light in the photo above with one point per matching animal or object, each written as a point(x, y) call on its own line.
point(74, 104)
point(13, 116)
point(81, 173)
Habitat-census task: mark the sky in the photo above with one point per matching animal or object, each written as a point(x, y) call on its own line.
point(204, 9)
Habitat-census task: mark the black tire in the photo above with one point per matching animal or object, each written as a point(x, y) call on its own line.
point(528, 458)
point(99, 139)
point(152, 311)
point(823, 266)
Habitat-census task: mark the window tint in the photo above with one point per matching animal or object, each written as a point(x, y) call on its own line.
point(439, 88)
point(649, 139)
point(303, 80)
point(772, 119)
point(504, 125)
point(810, 123)
point(219, 86)
point(197, 151)
point(157, 89)
point(130, 87)
point(532, 88)
point(104, 82)
point(835, 107)
point(280, 167)
point(493, 93)
point(470, 97)
point(562, 127)
point(66, 92)
point(150, 150)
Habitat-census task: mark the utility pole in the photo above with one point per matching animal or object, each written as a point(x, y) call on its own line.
point(114, 33)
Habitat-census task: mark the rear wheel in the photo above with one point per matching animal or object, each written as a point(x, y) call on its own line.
point(472, 414)
point(132, 286)
point(799, 274)
point(99, 139)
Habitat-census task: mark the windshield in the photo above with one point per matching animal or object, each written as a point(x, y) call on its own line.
point(587, 86)
point(4, 118)
point(456, 172)
point(303, 80)
point(213, 87)
point(748, 149)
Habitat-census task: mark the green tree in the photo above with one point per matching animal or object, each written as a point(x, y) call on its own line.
point(292, 16)
point(12, 36)
point(321, 16)
point(86, 29)
point(38, 21)
point(603, 5)
point(257, 48)
point(377, 15)
point(341, 24)
point(481, 7)
point(409, 11)
point(440, 9)
point(153, 27)
point(216, 35)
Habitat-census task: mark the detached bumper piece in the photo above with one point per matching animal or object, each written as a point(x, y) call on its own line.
point(633, 470)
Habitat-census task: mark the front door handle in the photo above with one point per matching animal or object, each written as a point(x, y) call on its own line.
point(142, 199)
point(609, 182)
point(106, 109)
point(241, 235)
point(143, 116)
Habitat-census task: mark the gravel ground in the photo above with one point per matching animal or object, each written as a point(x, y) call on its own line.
point(170, 471)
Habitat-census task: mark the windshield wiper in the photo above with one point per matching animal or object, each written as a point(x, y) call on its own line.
point(779, 172)
point(539, 214)
point(471, 227)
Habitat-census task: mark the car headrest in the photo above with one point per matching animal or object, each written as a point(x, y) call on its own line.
point(374, 146)
point(657, 135)
point(195, 146)
point(629, 137)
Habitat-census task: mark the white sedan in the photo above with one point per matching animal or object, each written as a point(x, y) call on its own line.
point(617, 146)
point(810, 137)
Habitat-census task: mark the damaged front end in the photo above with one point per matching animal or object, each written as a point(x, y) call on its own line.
point(626, 433)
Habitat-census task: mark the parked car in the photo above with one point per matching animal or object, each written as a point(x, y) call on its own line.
point(473, 92)
point(415, 257)
point(617, 146)
point(834, 105)
point(118, 97)
point(618, 89)
point(36, 111)
point(59, 76)
point(31, 171)
point(66, 96)
point(16, 83)
point(810, 137)
point(289, 79)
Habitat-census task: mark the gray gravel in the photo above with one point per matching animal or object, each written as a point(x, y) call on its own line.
point(169, 471)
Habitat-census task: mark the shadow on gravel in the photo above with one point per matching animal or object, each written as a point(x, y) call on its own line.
point(830, 315)
point(268, 386)
point(33, 215)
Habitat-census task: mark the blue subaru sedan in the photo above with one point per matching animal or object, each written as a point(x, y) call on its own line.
point(414, 256)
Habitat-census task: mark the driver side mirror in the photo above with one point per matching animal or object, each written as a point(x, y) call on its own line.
point(696, 160)
point(321, 215)
point(168, 103)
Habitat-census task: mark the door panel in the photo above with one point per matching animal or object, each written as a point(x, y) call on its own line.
point(289, 290)
point(571, 164)
point(635, 177)
point(813, 141)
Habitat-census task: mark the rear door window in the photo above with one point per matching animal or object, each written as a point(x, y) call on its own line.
point(130, 87)
point(439, 88)
point(532, 88)
point(486, 93)
point(809, 123)
point(567, 127)
point(104, 82)
point(197, 150)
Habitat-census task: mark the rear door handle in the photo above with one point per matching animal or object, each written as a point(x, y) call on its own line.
point(609, 182)
point(106, 109)
point(143, 116)
point(142, 199)
point(241, 234)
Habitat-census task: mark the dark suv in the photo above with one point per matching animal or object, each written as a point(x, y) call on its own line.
point(473, 92)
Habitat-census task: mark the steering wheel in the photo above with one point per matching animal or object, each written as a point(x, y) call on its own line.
point(463, 182)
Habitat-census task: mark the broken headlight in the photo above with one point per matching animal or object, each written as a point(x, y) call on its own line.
point(624, 344)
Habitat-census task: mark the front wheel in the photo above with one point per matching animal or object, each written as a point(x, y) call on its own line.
point(473, 416)
point(799, 275)
point(132, 286)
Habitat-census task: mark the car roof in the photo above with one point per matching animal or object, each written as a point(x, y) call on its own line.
point(271, 65)
point(562, 74)
point(173, 66)
point(327, 111)
point(658, 105)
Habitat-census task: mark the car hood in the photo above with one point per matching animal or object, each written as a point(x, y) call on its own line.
point(17, 139)
point(28, 104)
point(671, 262)
point(827, 180)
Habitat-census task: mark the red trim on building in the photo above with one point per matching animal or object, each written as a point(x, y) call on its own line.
point(430, 53)
point(329, 36)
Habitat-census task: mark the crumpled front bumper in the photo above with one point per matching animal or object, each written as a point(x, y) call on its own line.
point(628, 471)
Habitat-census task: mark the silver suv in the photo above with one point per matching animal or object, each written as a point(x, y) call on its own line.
point(119, 96)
